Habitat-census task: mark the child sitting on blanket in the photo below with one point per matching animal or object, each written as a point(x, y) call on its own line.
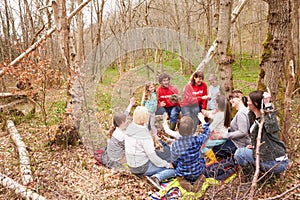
point(114, 154)
point(186, 157)
point(218, 127)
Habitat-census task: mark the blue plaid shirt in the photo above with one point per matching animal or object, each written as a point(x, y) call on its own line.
point(186, 155)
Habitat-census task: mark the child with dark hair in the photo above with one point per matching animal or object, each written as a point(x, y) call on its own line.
point(218, 127)
point(186, 157)
point(272, 150)
point(114, 154)
point(149, 100)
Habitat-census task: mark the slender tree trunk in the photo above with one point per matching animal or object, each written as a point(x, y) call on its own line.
point(295, 35)
point(79, 40)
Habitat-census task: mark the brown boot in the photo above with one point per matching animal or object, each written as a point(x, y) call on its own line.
point(185, 184)
point(198, 183)
point(172, 126)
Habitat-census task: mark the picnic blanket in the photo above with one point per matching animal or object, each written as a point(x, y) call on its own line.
point(173, 190)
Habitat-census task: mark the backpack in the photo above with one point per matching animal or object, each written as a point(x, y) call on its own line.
point(98, 155)
point(221, 170)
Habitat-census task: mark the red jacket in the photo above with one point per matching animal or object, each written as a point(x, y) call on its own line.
point(193, 94)
point(163, 94)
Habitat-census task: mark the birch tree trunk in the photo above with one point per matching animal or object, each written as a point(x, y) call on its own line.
point(23, 155)
point(19, 189)
point(79, 40)
point(272, 61)
point(70, 124)
point(226, 60)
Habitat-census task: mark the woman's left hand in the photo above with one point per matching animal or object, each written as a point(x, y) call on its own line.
point(267, 97)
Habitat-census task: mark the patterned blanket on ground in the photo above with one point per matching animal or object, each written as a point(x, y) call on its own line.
point(173, 190)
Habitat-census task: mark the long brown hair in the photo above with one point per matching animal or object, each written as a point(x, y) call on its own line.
point(224, 106)
point(118, 119)
point(147, 93)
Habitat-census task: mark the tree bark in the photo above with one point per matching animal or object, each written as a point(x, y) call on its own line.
point(23, 155)
point(272, 61)
point(223, 37)
point(19, 189)
point(213, 48)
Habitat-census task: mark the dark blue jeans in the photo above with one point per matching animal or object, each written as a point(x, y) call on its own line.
point(192, 111)
point(173, 112)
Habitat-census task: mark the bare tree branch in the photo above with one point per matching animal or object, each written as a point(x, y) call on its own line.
point(41, 39)
point(288, 191)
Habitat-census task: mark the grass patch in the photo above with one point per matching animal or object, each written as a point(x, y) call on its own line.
point(55, 112)
point(245, 74)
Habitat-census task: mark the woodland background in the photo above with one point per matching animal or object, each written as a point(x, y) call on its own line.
point(43, 44)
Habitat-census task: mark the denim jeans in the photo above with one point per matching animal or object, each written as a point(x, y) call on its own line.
point(173, 112)
point(244, 157)
point(192, 111)
point(161, 173)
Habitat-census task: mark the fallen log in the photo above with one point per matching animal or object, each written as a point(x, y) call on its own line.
point(19, 189)
point(24, 160)
point(16, 103)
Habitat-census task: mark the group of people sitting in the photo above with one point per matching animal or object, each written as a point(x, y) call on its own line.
point(194, 153)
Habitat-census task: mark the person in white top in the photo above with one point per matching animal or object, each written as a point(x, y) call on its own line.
point(140, 152)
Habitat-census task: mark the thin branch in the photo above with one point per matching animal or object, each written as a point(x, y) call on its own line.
point(257, 156)
point(286, 192)
point(41, 39)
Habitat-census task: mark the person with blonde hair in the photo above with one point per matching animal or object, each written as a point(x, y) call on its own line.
point(213, 92)
point(140, 151)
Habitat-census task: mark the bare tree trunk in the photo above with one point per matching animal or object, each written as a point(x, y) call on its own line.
point(79, 40)
point(22, 151)
point(226, 60)
point(19, 189)
point(40, 40)
point(272, 61)
point(7, 30)
point(214, 47)
point(288, 100)
point(70, 125)
point(295, 35)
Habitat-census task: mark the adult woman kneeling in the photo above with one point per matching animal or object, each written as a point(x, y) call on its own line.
point(272, 150)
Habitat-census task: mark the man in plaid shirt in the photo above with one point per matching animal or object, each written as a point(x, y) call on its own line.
point(188, 162)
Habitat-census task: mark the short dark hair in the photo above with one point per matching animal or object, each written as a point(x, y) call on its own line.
point(186, 126)
point(163, 76)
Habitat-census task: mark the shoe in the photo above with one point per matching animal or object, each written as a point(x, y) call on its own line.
point(154, 182)
point(198, 184)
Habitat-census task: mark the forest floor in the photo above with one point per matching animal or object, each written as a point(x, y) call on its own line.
point(72, 173)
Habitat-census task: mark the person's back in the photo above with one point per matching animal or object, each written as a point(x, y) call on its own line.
point(185, 152)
